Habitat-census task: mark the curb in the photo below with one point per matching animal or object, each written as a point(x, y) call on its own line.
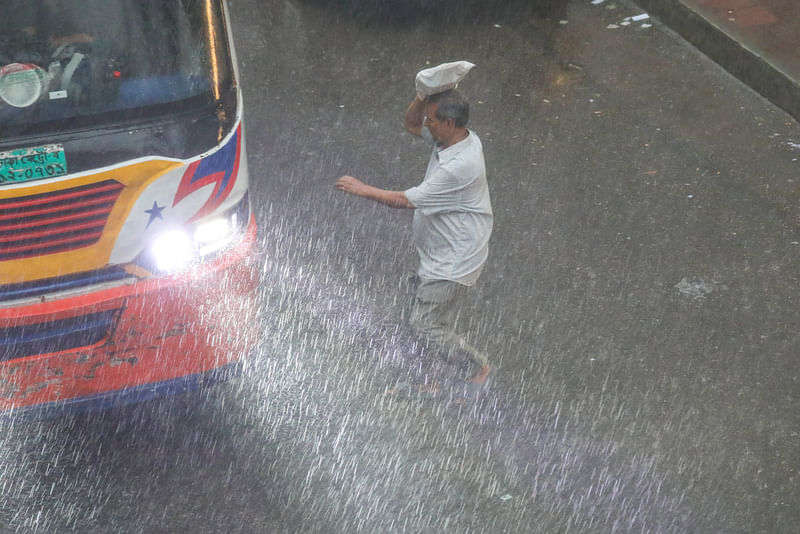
point(732, 55)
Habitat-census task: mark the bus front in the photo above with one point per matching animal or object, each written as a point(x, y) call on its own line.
point(126, 237)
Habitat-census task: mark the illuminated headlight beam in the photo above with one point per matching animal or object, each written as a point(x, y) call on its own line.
point(177, 249)
point(215, 234)
point(172, 250)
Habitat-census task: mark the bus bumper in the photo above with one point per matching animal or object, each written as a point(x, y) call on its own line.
point(159, 335)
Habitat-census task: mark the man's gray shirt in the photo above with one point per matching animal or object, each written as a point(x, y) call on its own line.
point(453, 217)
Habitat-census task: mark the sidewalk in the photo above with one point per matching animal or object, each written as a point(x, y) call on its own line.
point(758, 41)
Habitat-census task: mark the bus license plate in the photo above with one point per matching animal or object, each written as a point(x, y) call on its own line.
point(28, 164)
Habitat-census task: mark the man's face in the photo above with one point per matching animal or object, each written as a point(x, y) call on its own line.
point(441, 131)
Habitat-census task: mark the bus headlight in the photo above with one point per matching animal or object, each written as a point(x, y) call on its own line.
point(215, 234)
point(172, 251)
point(177, 249)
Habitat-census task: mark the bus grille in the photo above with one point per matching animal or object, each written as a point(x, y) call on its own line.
point(55, 221)
point(55, 336)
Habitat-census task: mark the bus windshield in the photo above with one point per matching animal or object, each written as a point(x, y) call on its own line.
point(94, 63)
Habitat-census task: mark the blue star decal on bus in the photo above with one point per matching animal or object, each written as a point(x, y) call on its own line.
point(155, 213)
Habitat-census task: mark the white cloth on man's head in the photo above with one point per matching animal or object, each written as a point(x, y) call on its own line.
point(453, 216)
point(441, 77)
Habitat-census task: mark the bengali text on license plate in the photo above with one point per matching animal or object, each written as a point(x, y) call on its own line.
point(28, 164)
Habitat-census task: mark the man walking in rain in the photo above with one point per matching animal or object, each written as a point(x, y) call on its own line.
point(452, 218)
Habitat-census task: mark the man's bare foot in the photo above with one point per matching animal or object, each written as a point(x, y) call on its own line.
point(481, 377)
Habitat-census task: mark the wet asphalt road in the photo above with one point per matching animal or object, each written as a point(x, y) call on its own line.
point(640, 303)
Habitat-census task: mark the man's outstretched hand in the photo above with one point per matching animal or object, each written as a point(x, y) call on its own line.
point(351, 185)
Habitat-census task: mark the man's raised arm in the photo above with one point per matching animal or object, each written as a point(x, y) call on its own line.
point(415, 114)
